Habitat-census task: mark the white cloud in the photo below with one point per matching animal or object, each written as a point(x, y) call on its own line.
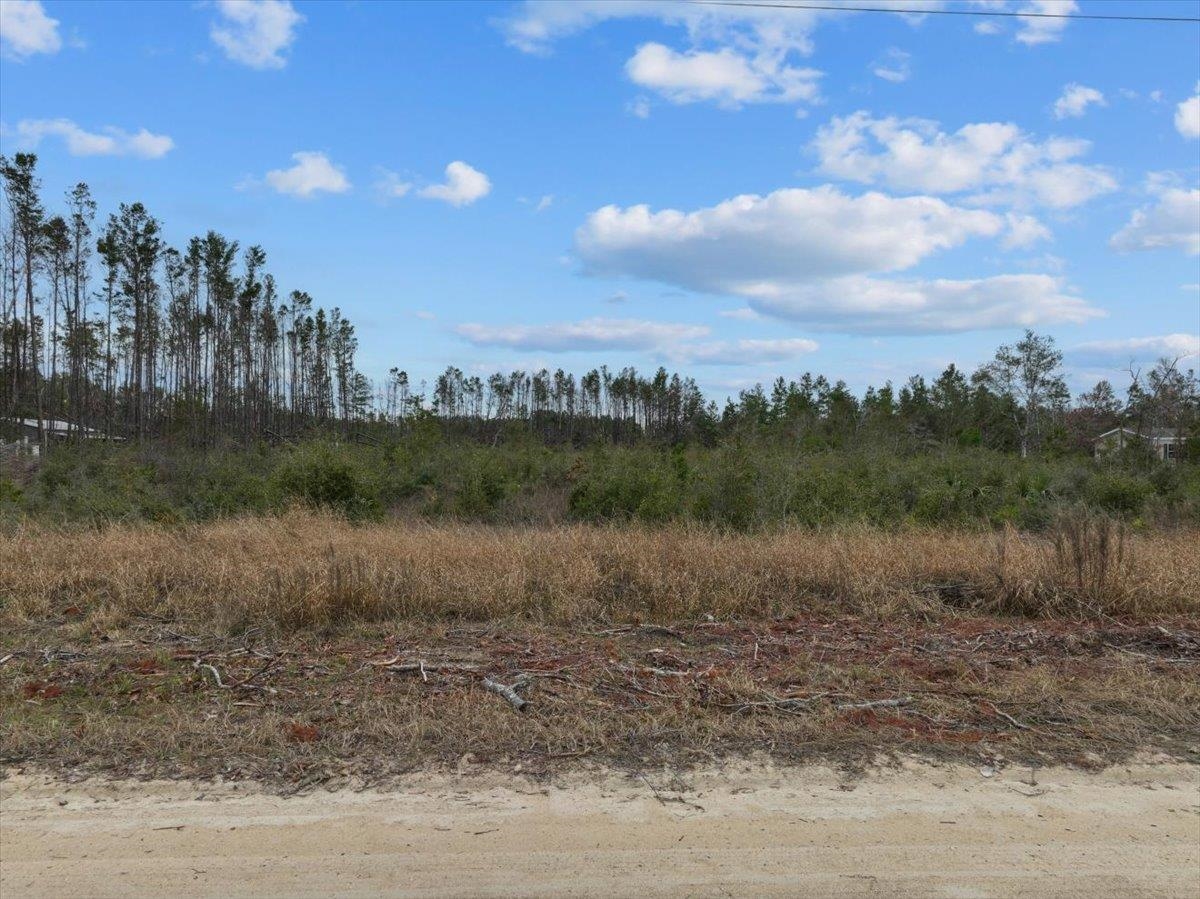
point(256, 33)
point(807, 255)
point(109, 141)
point(1174, 221)
point(735, 55)
point(724, 76)
point(1075, 100)
point(544, 203)
point(893, 66)
point(464, 185)
point(537, 25)
point(792, 234)
point(589, 334)
point(745, 313)
point(741, 352)
point(1035, 30)
point(1173, 346)
point(680, 343)
point(868, 305)
point(1023, 231)
point(639, 108)
point(313, 173)
point(425, 315)
point(1187, 116)
point(391, 186)
point(25, 29)
point(997, 161)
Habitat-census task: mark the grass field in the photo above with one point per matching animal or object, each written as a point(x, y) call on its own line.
point(304, 649)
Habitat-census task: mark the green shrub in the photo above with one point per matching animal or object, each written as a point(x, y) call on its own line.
point(1119, 493)
point(322, 477)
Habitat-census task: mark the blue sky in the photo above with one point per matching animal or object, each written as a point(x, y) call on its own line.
point(735, 193)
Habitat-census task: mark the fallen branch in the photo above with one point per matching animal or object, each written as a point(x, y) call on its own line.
point(876, 704)
point(197, 664)
point(661, 672)
point(783, 704)
point(1010, 719)
point(509, 693)
point(421, 666)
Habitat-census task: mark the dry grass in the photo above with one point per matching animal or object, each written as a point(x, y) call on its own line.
point(252, 648)
point(306, 570)
point(302, 711)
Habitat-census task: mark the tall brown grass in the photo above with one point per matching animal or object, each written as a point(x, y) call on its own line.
point(303, 570)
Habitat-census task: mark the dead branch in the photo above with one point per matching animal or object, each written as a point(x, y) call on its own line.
point(421, 666)
point(197, 664)
point(1010, 719)
point(661, 672)
point(791, 705)
point(509, 693)
point(876, 704)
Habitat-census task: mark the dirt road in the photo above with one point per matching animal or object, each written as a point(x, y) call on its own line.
point(747, 830)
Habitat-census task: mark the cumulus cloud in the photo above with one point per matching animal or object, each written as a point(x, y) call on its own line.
point(1173, 221)
point(995, 161)
point(869, 305)
point(536, 26)
point(1187, 116)
point(741, 352)
point(791, 234)
point(1173, 346)
point(464, 185)
point(391, 186)
point(313, 173)
point(724, 76)
point(1075, 100)
point(893, 66)
point(735, 55)
point(809, 254)
point(25, 29)
point(1023, 231)
point(109, 141)
point(256, 33)
point(680, 343)
point(745, 313)
point(1035, 30)
point(1034, 27)
point(588, 334)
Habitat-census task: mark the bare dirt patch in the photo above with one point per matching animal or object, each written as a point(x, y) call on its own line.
point(744, 829)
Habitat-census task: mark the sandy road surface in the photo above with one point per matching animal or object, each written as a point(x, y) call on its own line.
point(748, 831)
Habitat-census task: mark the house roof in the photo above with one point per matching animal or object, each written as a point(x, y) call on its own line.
point(1112, 431)
point(57, 426)
point(1149, 434)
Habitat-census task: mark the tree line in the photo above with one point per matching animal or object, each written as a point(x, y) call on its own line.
point(105, 326)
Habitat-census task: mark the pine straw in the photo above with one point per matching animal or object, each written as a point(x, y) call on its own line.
point(304, 570)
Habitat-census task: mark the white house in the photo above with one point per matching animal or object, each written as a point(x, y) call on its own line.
point(1166, 442)
point(57, 429)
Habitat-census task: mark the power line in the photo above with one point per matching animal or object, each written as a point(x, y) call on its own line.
point(765, 4)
